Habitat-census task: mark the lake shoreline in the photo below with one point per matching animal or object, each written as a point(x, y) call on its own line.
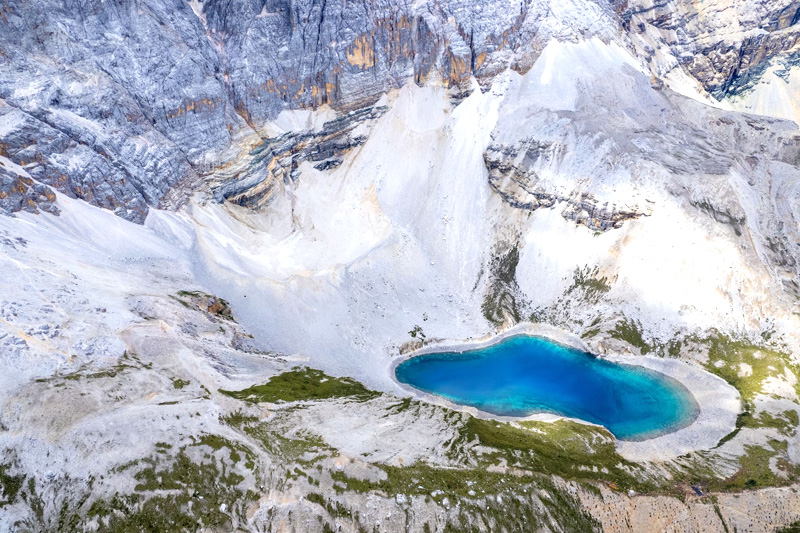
point(718, 402)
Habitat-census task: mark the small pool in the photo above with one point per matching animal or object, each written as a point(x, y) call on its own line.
point(523, 375)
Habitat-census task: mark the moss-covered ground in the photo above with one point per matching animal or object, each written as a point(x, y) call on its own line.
point(726, 357)
point(195, 490)
point(10, 485)
point(302, 384)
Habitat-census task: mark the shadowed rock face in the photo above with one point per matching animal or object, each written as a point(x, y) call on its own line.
point(278, 54)
point(128, 105)
point(20, 193)
point(725, 44)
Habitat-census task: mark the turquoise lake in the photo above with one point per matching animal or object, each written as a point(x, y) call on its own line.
point(523, 375)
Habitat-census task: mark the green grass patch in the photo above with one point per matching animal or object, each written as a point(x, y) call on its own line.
point(274, 438)
point(192, 294)
point(785, 422)
point(755, 471)
point(762, 362)
point(403, 405)
point(468, 488)
point(593, 328)
point(238, 419)
point(423, 479)
point(172, 493)
point(303, 384)
point(334, 508)
point(10, 485)
point(236, 449)
point(564, 448)
point(293, 448)
point(112, 372)
point(743, 419)
point(588, 281)
point(184, 303)
point(197, 491)
point(185, 473)
point(794, 527)
point(179, 383)
point(631, 332)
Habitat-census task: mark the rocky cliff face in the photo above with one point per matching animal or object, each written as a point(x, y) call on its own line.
point(725, 45)
point(129, 101)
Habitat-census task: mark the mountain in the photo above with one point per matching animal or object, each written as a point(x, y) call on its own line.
point(226, 222)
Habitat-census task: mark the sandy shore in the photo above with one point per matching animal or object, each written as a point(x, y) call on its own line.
point(718, 402)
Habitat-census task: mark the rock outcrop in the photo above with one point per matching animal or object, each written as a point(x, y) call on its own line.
point(726, 45)
point(517, 185)
point(127, 101)
point(21, 193)
point(130, 104)
point(276, 160)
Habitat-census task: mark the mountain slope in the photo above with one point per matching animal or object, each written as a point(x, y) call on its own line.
point(204, 198)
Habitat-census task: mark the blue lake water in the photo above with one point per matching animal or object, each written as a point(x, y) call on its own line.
point(523, 375)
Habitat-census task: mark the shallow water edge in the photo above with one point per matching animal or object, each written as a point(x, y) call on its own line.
point(718, 402)
point(527, 374)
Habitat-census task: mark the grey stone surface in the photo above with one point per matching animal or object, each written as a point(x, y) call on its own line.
point(726, 45)
point(127, 101)
point(128, 104)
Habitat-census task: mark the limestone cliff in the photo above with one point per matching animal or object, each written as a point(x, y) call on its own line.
point(131, 103)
